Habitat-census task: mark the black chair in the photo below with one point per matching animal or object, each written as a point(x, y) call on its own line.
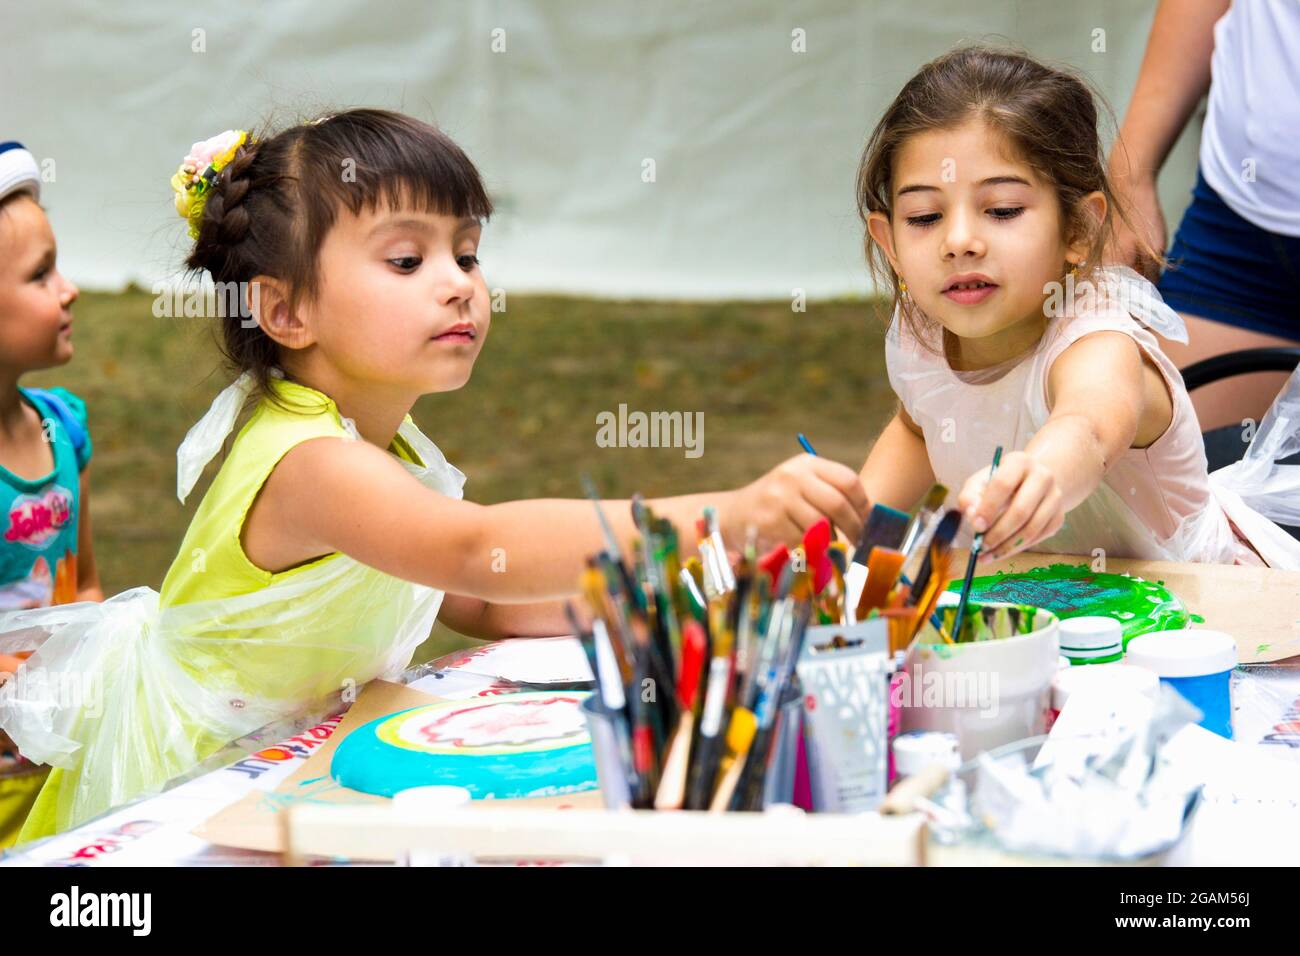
point(1227, 444)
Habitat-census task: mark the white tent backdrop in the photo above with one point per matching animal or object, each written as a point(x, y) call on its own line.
point(754, 144)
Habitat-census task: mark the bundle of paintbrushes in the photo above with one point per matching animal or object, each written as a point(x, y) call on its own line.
point(694, 658)
point(904, 560)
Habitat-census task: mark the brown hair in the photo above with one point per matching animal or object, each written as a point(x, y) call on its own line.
point(1049, 115)
point(271, 207)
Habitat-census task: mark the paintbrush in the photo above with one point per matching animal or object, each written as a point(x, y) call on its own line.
point(886, 527)
point(594, 585)
point(739, 737)
point(837, 606)
point(691, 590)
point(613, 700)
point(940, 543)
point(708, 746)
point(748, 637)
point(584, 638)
point(611, 540)
point(815, 542)
point(927, 513)
point(924, 590)
point(773, 562)
point(883, 567)
point(749, 792)
point(672, 783)
point(718, 577)
point(930, 601)
point(977, 545)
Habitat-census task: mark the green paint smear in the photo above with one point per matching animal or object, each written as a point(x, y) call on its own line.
point(1070, 590)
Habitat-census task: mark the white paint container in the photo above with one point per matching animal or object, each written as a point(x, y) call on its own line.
point(989, 693)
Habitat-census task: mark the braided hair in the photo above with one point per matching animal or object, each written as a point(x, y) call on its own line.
point(272, 205)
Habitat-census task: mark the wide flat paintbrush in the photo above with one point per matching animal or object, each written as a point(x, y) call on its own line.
point(883, 567)
point(886, 527)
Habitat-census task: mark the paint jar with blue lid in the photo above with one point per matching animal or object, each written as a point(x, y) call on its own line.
point(1197, 664)
point(1092, 639)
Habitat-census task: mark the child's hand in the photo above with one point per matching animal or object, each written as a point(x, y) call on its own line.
point(794, 496)
point(1021, 506)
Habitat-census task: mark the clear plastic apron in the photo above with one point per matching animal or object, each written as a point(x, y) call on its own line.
point(125, 695)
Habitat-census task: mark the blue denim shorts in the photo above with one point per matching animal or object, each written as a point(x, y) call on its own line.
point(1226, 269)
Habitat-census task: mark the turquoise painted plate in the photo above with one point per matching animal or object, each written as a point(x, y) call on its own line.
point(499, 748)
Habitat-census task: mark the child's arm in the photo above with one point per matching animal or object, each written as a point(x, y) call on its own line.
point(1102, 400)
point(332, 494)
point(88, 586)
point(1175, 74)
point(897, 471)
point(477, 618)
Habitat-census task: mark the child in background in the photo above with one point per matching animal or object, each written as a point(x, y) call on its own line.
point(985, 196)
point(335, 531)
point(45, 551)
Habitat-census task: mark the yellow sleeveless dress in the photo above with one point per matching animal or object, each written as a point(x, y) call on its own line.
point(226, 647)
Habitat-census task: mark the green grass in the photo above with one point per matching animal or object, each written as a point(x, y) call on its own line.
point(525, 426)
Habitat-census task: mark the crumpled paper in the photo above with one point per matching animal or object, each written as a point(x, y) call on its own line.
point(1100, 787)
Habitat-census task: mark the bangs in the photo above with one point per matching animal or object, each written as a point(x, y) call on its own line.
point(364, 160)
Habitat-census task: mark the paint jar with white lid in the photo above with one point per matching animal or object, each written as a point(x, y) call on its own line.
point(1092, 639)
point(1198, 664)
point(918, 750)
point(915, 751)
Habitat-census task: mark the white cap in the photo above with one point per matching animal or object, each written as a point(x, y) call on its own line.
point(18, 171)
point(1091, 636)
point(1184, 653)
point(1106, 677)
point(915, 751)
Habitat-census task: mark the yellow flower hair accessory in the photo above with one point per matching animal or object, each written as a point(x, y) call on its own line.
point(193, 181)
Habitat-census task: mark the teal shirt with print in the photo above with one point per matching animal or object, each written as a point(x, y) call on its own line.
point(39, 518)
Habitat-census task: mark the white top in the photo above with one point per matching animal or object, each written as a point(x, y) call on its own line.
point(1091, 636)
point(1190, 653)
point(1155, 503)
point(1248, 144)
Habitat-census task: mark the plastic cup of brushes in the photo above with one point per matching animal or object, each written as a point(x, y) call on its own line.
point(992, 688)
point(608, 746)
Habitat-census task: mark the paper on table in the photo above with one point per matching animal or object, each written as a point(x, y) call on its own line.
point(1266, 709)
point(155, 831)
point(533, 660)
point(456, 685)
point(1250, 806)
